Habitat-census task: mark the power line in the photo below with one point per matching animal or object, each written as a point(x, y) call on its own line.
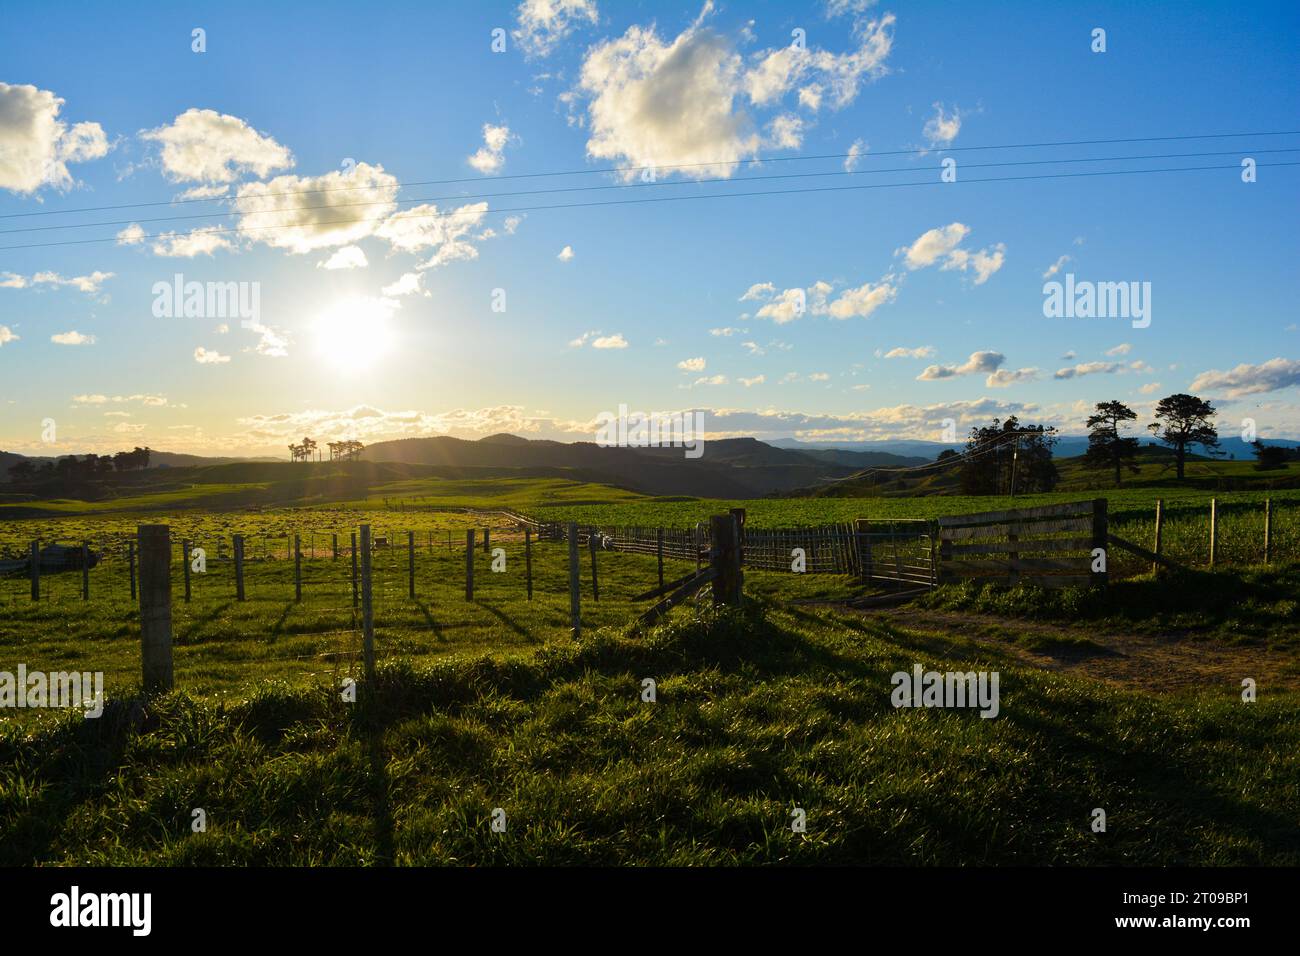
point(670, 166)
point(659, 199)
point(621, 186)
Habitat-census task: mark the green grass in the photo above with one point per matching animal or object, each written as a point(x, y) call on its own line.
point(758, 712)
point(1255, 606)
point(226, 649)
point(491, 703)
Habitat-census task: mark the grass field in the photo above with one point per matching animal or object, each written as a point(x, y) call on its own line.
point(758, 713)
point(405, 505)
point(491, 703)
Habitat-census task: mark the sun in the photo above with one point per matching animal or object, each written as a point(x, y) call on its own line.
point(355, 333)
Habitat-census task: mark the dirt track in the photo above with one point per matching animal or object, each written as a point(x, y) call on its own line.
point(1161, 663)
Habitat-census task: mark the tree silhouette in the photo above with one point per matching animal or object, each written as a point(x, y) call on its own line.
point(1183, 420)
point(1107, 448)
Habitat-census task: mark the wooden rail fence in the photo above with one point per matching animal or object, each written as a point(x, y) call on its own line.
point(1051, 546)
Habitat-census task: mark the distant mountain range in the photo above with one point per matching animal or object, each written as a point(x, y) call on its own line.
point(728, 468)
point(1067, 446)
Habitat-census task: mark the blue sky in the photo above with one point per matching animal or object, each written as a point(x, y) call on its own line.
point(410, 344)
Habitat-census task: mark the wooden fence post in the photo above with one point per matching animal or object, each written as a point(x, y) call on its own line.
point(725, 557)
point(297, 568)
point(1101, 539)
point(487, 534)
point(528, 560)
point(575, 601)
point(239, 567)
point(1214, 528)
point(591, 546)
point(185, 567)
point(469, 564)
point(130, 560)
point(862, 546)
point(334, 545)
point(355, 595)
point(1268, 530)
point(35, 572)
point(156, 607)
point(410, 563)
point(85, 570)
point(1160, 524)
point(367, 608)
point(659, 550)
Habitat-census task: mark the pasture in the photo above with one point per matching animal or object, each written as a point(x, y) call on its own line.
point(778, 707)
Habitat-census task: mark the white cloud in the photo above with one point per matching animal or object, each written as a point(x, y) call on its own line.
point(1005, 377)
point(784, 132)
point(7, 335)
point(131, 235)
point(942, 245)
point(986, 361)
point(346, 257)
point(691, 364)
point(272, 342)
point(1089, 368)
point(305, 213)
point(1270, 376)
point(786, 307)
point(860, 302)
point(1149, 388)
point(1122, 349)
point(409, 284)
point(447, 233)
point(751, 382)
point(727, 332)
point(214, 191)
point(36, 146)
point(854, 157)
point(712, 380)
point(1055, 267)
point(819, 377)
point(199, 242)
point(89, 284)
point(490, 157)
point(924, 351)
point(610, 342)
point(942, 128)
point(542, 24)
point(149, 401)
point(984, 262)
point(839, 75)
point(205, 357)
point(72, 338)
point(661, 104)
point(678, 104)
point(565, 254)
point(759, 290)
point(205, 146)
point(935, 244)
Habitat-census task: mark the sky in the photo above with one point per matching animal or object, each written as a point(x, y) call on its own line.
point(361, 193)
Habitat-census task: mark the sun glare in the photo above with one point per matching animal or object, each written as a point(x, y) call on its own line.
point(354, 333)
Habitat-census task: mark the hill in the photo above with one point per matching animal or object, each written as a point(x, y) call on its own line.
point(1155, 469)
point(728, 468)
